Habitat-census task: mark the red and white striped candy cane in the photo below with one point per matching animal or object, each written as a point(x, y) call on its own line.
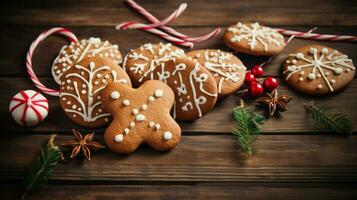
point(34, 44)
point(169, 30)
point(317, 36)
point(155, 31)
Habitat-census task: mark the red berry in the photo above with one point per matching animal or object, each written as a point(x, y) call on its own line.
point(249, 78)
point(257, 70)
point(255, 90)
point(270, 84)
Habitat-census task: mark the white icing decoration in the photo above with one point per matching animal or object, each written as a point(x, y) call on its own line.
point(115, 95)
point(151, 124)
point(135, 111)
point(132, 124)
point(158, 93)
point(157, 126)
point(118, 138)
point(144, 107)
point(140, 117)
point(126, 102)
point(126, 131)
point(254, 34)
point(167, 135)
point(320, 65)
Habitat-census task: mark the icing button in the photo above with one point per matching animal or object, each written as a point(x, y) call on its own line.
point(115, 95)
point(167, 135)
point(119, 138)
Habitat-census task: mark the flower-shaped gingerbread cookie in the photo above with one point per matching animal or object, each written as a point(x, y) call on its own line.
point(140, 116)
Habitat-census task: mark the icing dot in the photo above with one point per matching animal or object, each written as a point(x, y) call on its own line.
point(301, 79)
point(292, 68)
point(288, 61)
point(126, 102)
point(327, 73)
point(74, 115)
point(100, 110)
point(132, 124)
point(68, 81)
point(96, 82)
point(126, 131)
point(144, 107)
point(302, 73)
point(338, 71)
point(106, 119)
point(299, 55)
point(311, 76)
point(318, 75)
point(69, 102)
point(167, 135)
point(332, 81)
point(84, 92)
point(74, 106)
point(158, 93)
point(104, 81)
point(84, 85)
point(79, 109)
point(135, 111)
point(312, 51)
point(151, 98)
point(99, 75)
point(319, 86)
point(151, 124)
point(118, 138)
point(140, 118)
point(106, 76)
point(98, 97)
point(115, 95)
point(294, 61)
point(157, 126)
point(324, 50)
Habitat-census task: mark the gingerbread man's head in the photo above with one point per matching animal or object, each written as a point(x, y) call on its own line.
point(140, 116)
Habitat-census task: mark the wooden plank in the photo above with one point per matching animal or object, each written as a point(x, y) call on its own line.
point(110, 12)
point(170, 192)
point(17, 39)
point(219, 120)
point(280, 159)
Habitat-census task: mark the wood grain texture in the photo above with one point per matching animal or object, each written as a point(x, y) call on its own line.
point(217, 121)
point(12, 60)
point(319, 159)
point(111, 12)
point(169, 192)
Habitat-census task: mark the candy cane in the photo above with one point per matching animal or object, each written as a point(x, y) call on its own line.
point(34, 44)
point(317, 36)
point(156, 32)
point(169, 30)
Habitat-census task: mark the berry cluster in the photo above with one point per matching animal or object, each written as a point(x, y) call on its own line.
point(255, 88)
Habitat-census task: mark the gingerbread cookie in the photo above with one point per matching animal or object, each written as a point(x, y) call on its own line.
point(140, 63)
point(194, 87)
point(76, 52)
point(140, 116)
point(81, 88)
point(254, 39)
point(226, 68)
point(318, 70)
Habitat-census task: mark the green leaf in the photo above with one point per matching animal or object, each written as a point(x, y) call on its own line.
point(248, 128)
point(42, 168)
point(338, 123)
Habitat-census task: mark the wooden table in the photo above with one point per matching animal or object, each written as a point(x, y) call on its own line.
point(295, 159)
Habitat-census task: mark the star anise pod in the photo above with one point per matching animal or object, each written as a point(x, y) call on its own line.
point(83, 144)
point(274, 102)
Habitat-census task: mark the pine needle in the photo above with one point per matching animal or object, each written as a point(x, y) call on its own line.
point(338, 123)
point(43, 167)
point(248, 127)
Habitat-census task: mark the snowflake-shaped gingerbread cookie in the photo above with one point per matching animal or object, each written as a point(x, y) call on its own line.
point(254, 39)
point(318, 70)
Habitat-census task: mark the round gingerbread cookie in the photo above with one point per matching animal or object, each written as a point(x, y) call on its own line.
point(194, 87)
point(141, 62)
point(74, 53)
point(81, 87)
point(254, 39)
point(226, 68)
point(318, 70)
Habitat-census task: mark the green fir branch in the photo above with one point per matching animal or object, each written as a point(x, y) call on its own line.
point(338, 123)
point(43, 167)
point(248, 128)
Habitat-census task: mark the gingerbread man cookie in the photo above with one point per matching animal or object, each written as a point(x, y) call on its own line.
point(140, 63)
point(226, 68)
point(75, 52)
point(318, 70)
point(81, 88)
point(140, 116)
point(254, 39)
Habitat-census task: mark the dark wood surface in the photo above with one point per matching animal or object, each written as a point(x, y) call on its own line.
point(295, 158)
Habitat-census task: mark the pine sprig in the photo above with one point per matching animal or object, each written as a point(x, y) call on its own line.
point(43, 167)
point(248, 127)
point(334, 122)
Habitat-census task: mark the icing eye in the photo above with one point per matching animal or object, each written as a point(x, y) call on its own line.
point(203, 77)
point(201, 100)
